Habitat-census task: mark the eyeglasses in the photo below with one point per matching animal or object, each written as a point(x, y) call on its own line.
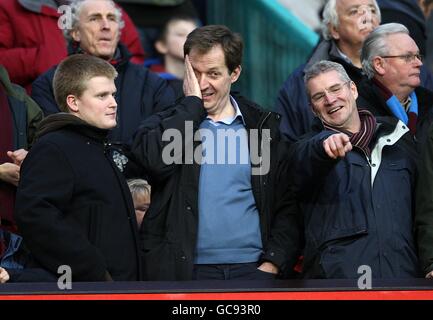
point(334, 91)
point(408, 58)
point(362, 10)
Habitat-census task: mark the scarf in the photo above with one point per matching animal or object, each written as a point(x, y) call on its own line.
point(62, 120)
point(362, 138)
point(74, 48)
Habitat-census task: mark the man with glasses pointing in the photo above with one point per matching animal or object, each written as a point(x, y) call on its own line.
point(392, 63)
point(353, 179)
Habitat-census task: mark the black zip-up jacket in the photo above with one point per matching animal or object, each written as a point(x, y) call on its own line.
point(169, 229)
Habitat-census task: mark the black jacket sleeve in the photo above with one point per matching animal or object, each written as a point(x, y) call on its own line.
point(163, 136)
point(309, 162)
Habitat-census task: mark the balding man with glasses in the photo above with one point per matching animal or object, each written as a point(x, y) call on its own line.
point(392, 63)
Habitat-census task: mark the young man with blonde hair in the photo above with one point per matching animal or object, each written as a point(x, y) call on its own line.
point(73, 204)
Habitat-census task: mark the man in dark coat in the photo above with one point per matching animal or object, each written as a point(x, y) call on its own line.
point(217, 210)
point(139, 91)
point(73, 205)
point(353, 179)
point(392, 62)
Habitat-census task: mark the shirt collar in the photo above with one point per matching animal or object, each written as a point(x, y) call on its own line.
point(342, 55)
point(336, 52)
point(230, 120)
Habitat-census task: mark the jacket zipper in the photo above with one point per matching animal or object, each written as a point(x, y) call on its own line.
point(267, 218)
point(366, 156)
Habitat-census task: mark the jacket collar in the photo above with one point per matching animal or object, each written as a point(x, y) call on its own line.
point(371, 91)
point(120, 59)
point(68, 121)
point(320, 53)
point(252, 113)
point(328, 50)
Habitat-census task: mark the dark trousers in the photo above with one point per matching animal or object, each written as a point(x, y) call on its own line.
point(236, 271)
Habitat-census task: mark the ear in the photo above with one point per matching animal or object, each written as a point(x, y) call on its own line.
point(334, 32)
point(75, 34)
point(235, 74)
point(379, 65)
point(161, 47)
point(313, 110)
point(72, 103)
point(309, 100)
point(354, 89)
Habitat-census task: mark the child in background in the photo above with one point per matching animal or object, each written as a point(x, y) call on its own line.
point(169, 45)
point(140, 191)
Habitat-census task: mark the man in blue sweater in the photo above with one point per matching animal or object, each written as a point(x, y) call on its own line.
point(219, 216)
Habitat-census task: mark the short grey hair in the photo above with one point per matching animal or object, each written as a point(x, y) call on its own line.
point(330, 17)
point(138, 186)
point(77, 5)
point(324, 66)
point(376, 45)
